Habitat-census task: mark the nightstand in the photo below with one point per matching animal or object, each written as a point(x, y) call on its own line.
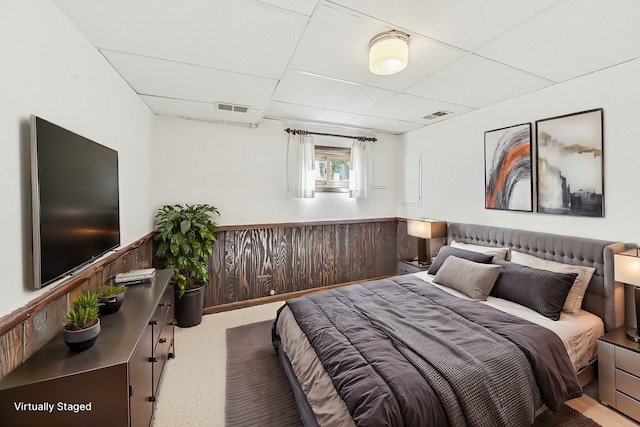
point(406, 267)
point(619, 372)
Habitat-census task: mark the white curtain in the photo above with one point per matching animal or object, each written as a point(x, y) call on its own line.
point(358, 175)
point(301, 166)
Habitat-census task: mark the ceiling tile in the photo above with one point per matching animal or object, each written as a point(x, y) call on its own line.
point(464, 24)
point(284, 111)
point(306, 60)
point(242, 36)
point(336, 44)
point(314, 91)
point(395, 127)
point(413, 108)
point(476, 82)
point(199, 110)
point(605, 33)
point(306, 7)
point(149, 76)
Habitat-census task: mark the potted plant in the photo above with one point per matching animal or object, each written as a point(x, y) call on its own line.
point(185, 236)
point(111, 297)
point(83, 324)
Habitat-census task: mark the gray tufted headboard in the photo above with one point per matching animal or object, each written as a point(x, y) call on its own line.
point(604, 297)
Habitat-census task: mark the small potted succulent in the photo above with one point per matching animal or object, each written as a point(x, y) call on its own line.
point(111, 297)
point(83, 324)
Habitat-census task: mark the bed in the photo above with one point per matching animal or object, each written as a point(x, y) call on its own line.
point(461, 345)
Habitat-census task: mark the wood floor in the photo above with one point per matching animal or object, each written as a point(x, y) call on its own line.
point(183, 375)
point(603, 415)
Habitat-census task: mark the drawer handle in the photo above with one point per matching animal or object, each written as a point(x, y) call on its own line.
point(163, 340)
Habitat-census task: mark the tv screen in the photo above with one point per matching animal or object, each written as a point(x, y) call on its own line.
point(75, 201)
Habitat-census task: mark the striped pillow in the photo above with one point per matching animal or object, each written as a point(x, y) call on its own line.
point(541, 290)
point(573, 303)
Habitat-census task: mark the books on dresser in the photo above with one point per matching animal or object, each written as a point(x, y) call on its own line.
point(135, 277)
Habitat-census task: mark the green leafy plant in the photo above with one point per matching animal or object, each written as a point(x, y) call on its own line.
point(84, 311)
point(185, 236)
point(110, 290)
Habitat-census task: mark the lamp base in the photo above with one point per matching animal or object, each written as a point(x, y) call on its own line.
point(424, 254)
point(632, 334)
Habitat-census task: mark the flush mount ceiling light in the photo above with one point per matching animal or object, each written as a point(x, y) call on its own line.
point(388, 53)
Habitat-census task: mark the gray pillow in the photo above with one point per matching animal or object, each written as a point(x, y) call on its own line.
point(471, 278)
point(447, 251)
point(541, 290)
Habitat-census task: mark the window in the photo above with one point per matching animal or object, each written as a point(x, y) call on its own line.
point(332, 168)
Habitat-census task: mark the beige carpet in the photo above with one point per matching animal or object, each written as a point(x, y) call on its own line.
point(192, 393)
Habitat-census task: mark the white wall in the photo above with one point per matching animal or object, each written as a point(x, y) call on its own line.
point(50, 70)
point(242, 171)
point(453, 157)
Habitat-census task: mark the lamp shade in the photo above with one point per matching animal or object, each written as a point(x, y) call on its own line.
point(627, 267)
point(388, 53)
point(426, 229)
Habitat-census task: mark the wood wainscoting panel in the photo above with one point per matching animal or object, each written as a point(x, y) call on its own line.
point(249, 263)
point(43, 326)
point(11, 349)
point(25, 330)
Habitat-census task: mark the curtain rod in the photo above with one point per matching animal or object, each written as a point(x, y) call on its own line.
point(306, 132)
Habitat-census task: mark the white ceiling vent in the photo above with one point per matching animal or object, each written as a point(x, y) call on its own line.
point(437, 115)
point(231, 107)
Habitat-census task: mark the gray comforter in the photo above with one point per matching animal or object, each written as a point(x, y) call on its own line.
point(402, 353)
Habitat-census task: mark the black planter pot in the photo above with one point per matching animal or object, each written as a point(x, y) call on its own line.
point(189, 307)
point(111, 304)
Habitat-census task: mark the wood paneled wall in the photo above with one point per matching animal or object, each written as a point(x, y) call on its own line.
point(27, 329)
point(248, 262)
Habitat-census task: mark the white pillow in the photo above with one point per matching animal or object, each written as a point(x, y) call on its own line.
point(498, 253)
point(573, 303)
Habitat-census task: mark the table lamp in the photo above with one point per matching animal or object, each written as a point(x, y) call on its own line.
point(627, 270)
point(425, 229)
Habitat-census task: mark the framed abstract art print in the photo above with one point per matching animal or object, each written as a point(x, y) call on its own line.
point(569, 162)
point(507, 165)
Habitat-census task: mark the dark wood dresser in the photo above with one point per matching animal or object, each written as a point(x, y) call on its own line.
point(113, 383)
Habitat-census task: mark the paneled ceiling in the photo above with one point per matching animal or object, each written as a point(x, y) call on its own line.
point(306, 61)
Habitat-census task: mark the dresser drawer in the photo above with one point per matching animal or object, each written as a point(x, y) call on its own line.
point(628, 361)
point(628, 384)
point(628, 405)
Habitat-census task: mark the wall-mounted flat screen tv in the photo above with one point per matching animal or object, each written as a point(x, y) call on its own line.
point(75, 201)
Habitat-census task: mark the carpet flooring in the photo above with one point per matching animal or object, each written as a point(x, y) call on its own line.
point(258, 393)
